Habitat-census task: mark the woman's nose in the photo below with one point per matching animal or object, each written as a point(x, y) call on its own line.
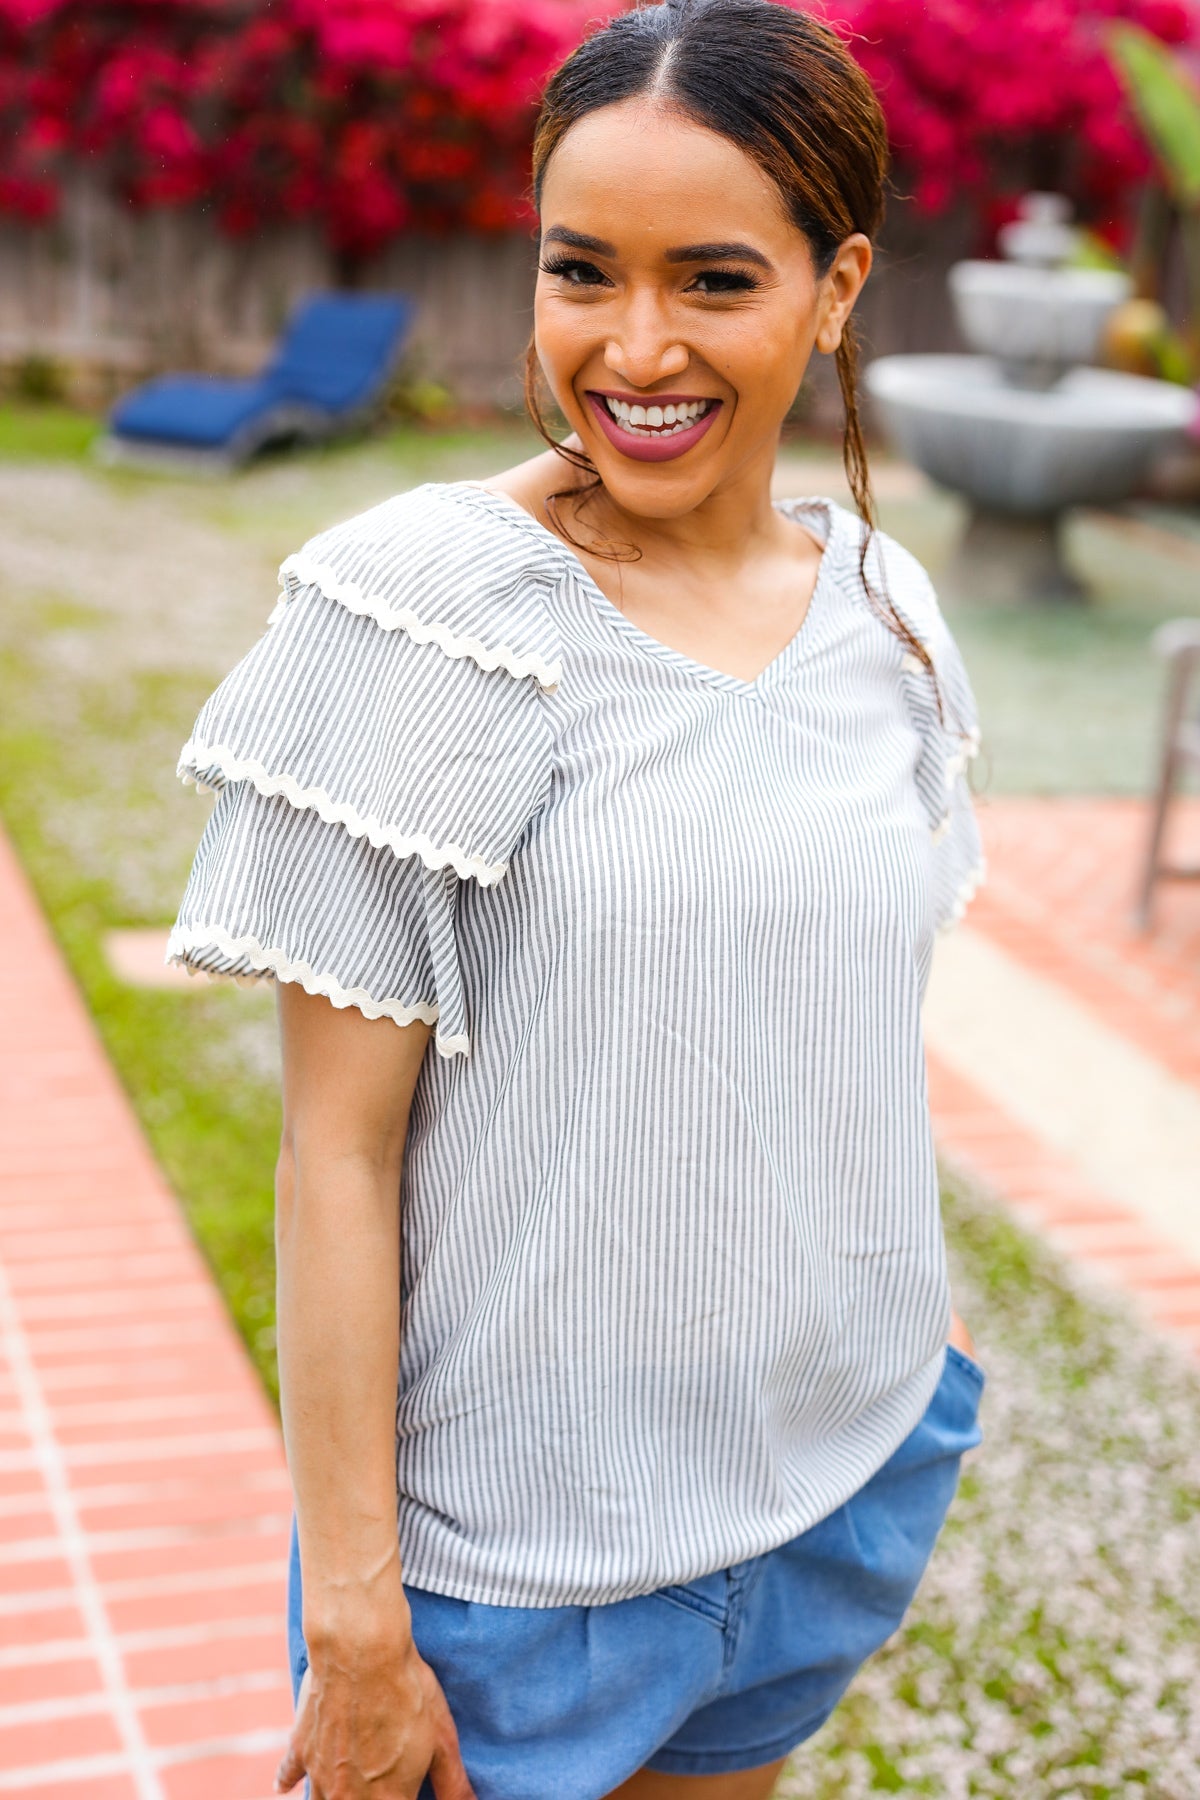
point(643, 351)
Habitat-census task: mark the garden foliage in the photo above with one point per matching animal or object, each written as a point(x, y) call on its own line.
point(374, 117)
point(1168, 105)
point(988, 100)
point(370, 117)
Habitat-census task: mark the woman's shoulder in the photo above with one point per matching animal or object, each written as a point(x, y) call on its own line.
point(444, 562)
point(887, 559)
point(893, 571)
point(397, 692)
point(433, 520)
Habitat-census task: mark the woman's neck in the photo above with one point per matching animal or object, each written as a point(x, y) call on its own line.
point(713, 539)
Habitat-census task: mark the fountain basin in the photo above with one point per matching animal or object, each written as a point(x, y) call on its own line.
point(1048, 319)
point(1087, 441)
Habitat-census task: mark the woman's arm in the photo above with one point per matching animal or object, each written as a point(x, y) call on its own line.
point(960, 1337)
point(372, 1720)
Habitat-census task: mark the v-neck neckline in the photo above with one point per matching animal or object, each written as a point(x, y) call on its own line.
point(651, 645)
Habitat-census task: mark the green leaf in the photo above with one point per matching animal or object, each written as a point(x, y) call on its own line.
point(1167, 105)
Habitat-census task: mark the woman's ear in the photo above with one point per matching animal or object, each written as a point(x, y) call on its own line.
point(840, 288)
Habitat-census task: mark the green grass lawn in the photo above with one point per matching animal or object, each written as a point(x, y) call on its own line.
point(196, 1065)
point(43, 431)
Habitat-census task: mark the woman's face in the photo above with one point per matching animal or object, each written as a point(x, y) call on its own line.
point(672, 279)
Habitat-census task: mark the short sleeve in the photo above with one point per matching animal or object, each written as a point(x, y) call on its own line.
point(384, 741)
point(959, 864)
point(947, 741)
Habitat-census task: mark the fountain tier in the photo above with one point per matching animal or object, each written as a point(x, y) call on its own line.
point(1033, 452)
point(1021, 430)
point(1036, 328)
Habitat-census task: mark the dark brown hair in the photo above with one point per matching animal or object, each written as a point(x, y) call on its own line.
point(787, 92)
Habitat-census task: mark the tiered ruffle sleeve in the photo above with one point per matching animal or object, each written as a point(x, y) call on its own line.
point(947, 744)
point(383, 741)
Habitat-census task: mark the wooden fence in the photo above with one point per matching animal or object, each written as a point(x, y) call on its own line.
point(113, 296)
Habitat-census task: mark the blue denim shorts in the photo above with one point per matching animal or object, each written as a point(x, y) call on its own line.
point(726, 1672)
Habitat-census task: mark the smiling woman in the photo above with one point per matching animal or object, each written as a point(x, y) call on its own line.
point(597, 822)
point(786, 248)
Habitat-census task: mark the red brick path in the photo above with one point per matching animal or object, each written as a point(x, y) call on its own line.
point(144, 1501)
point(1058, 898)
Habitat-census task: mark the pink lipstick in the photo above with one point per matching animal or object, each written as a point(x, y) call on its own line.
point(654, 444)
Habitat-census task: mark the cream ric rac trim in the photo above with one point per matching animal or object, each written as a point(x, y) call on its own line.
point(276, 965)
point(307, 570)
point(196, 756)
point(968, 887)
point(956, 763)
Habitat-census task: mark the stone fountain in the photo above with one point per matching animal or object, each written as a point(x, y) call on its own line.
point(1023, 429)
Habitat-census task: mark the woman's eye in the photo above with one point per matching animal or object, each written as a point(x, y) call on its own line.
point(579, 274)
point(572, 271)
point(725, 281)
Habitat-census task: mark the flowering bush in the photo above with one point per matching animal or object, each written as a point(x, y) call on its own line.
point(371, 116)
point(983, 98)
point(375, 116)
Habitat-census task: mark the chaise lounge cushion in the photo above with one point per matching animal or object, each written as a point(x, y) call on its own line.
point(206, 410)
point(334, 358)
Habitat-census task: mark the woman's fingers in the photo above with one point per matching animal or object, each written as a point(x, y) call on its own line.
point(291, 1766)
point(449, 1777)
point(446, 1771)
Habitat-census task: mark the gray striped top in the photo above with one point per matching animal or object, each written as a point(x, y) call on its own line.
point(673, 1273)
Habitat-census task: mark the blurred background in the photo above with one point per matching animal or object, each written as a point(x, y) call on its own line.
point(264, 263)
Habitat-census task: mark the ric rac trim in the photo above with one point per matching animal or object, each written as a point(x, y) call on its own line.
point(270, 963)
point(194, 757)
point(968, 887)
point(308, 571)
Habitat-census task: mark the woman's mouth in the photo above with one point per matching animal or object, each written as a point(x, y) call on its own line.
point(659, 420)
point(656, 429)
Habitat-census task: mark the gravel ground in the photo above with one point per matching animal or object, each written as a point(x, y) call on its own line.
point(1052, 1648)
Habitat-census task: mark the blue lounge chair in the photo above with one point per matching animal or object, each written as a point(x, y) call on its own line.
point(330, 369)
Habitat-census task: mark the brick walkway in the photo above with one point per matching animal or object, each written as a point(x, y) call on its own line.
point(144, 1503)
point(1058, 902)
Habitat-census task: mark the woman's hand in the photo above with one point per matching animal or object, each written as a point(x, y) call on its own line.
point(371, 1727)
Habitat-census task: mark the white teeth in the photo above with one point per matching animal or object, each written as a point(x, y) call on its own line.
point(656, 421)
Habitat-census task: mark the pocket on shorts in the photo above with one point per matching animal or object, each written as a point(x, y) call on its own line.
point(961, 1360)
point(896, 1517)
point(690, 1600)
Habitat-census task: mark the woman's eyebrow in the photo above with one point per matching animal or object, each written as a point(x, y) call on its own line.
point(578, 240)
point(718, 253)
point(731, 252)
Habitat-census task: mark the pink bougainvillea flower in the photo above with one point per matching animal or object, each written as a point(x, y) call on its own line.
point(999, 98)
point(376, 117)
